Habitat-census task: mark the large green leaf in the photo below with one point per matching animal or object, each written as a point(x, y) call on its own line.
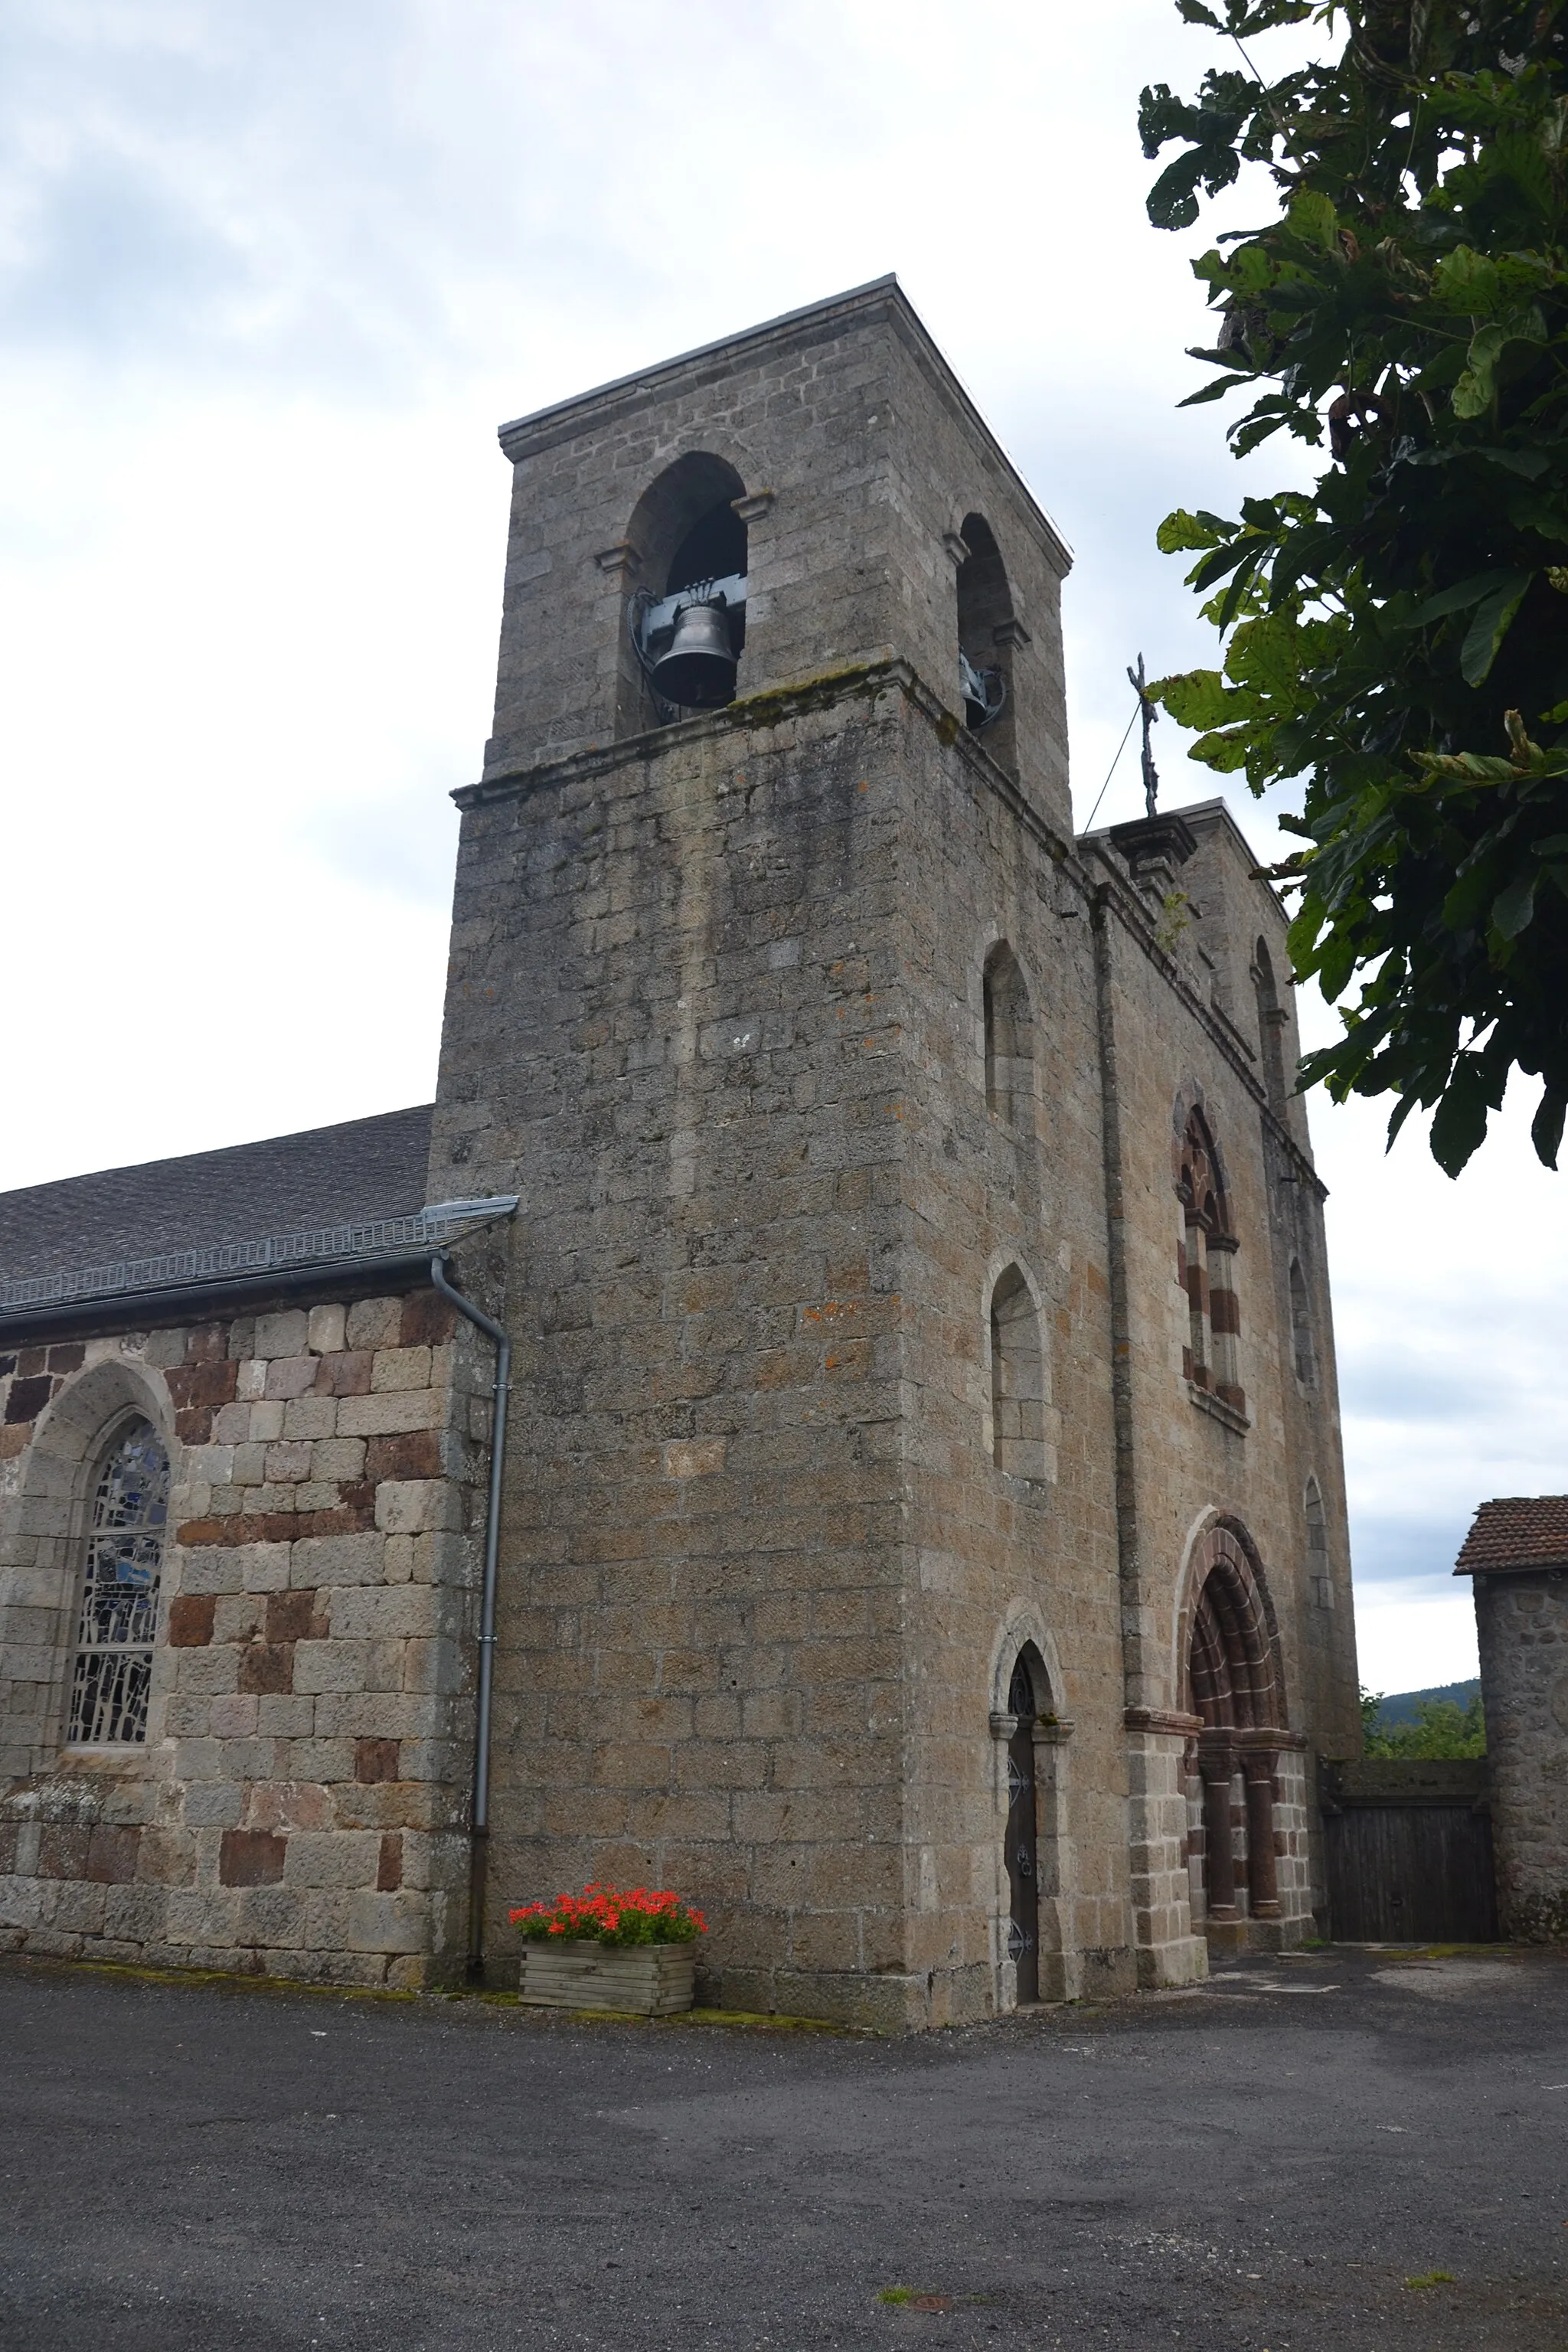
point(1313, 217)
point(1460, 597)
point(1513, 907)
point(1494, 617)
point(1546, 1127)
point(1459, 1122)
point(1195, 698)
point(1182, 530)
point(1466, 280)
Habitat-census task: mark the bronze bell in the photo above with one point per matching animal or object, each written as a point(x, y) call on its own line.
point(698, 670)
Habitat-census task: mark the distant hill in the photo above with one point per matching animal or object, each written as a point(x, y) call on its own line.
point(1399, 1707)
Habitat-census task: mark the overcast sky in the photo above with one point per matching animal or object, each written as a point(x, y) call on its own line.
point(271, 274)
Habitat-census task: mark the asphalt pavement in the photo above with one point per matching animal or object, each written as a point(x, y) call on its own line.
point(1342, 2150)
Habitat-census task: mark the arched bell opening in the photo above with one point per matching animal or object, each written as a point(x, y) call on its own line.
point(684, 619)
point(1029, 1703)
point(987, 634)
point(1235, 1687)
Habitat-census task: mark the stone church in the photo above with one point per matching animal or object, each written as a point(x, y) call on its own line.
point(832, 1408)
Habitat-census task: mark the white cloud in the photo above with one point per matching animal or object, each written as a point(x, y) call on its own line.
point(1410, 1639)
point(269, 278)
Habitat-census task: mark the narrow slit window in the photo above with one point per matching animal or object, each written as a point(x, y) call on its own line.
point(1009, 1039)
point(1304, 1352)
point(1271, 1020)
point(1018, 1380)
point(1318, 1547)
point(112, 1672)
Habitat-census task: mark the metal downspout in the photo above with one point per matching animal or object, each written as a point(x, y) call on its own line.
point(480, 1830)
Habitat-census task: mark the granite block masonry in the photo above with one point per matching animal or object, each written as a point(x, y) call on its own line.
point(922, 1535)
point(295, 1804)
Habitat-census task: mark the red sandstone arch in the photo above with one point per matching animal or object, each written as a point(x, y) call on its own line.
point(1234, 1681)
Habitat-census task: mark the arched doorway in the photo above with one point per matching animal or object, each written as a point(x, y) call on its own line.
point(1021, 1838)
point(1235, 1686)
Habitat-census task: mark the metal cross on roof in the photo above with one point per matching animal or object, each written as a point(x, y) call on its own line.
point(1149, 714)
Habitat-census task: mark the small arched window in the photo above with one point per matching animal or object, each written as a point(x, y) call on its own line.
point(1009, 1038)
point(987, 634)
point(1302, 1351)
point(1018, 1380)
point(1206, 1269)
point(1322, 1583)
point(1270, 1026)
point(113, 1670)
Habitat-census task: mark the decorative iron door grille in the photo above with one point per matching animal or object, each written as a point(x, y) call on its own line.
point(114, 1668)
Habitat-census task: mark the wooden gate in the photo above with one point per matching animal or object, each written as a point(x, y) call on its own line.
point(1408, 1848)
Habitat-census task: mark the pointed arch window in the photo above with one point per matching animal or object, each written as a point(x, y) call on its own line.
point(112, 1672)
point(1009, 1038)
point(1206, 1271)
point(1018, 1380)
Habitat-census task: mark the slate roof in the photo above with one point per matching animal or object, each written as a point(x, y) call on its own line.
point(329, 1176)
point(1517, 1531)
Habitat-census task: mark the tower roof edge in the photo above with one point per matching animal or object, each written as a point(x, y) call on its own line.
point(542, 428)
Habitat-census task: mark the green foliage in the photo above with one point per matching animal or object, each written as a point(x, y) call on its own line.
point(1442, 1729)
point(1396, 640)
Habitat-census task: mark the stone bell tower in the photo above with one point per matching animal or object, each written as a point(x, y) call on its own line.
point(772, 995)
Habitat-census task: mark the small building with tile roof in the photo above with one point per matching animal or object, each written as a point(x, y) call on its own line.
point(1516, 1556)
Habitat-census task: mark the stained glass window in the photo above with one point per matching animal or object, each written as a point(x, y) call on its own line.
point(113, 1666)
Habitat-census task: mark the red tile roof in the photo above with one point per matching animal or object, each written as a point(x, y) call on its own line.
point(1517, 1531)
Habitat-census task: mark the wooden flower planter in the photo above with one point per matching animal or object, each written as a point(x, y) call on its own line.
point(649, 1979)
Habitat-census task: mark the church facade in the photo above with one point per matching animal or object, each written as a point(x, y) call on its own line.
point(919, 1531)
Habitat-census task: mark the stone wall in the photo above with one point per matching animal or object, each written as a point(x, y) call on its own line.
point(298, 1804)
point(673, 1016)
point(999, 1559)
point(1521, 1619)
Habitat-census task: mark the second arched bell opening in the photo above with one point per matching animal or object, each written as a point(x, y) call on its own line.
point(987, 632)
